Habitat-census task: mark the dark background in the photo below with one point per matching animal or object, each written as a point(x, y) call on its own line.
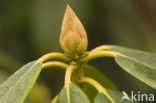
point(31, 28)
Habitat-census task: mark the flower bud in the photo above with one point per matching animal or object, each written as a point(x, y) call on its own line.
point(73, 38)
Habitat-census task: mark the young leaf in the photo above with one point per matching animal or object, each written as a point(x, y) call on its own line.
point(76, 95)
point(140, 64)
point(17, 87)
point(115, 95)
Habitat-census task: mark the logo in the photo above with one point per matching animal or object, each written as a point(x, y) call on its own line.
point(138, 97)
point(125, 96)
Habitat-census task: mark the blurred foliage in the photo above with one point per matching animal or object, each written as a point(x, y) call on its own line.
point(31, 28)
point(40, 94)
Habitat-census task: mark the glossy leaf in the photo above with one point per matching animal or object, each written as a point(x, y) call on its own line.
point(75, 93)
point(115, 95)
point(92, 72)
point(17, 86)
point(140, 64)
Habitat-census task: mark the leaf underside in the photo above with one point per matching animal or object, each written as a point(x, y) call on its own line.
point(115, 95)
point(17, 86)
point(140, 64)
point(76, 95)
point(79, 96)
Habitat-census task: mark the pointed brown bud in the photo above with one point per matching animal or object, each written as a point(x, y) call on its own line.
point(73, 38)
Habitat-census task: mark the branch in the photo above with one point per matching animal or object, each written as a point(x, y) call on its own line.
point(69, 72)
point(53, 56)
point(55, 64)
point(98, 54)
point(103, 47)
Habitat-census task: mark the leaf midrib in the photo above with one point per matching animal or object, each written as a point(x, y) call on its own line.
point(133, 59)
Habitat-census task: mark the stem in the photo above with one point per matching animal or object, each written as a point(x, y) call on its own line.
point(54, 100)
point(53, 56)
point(55, 64)
point(68, 75)
point(98, 54)
point(103, 47)
point(97, 86)
point(78, 73)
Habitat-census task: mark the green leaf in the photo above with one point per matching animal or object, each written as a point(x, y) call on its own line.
point(17, 86)
point(94, 73)
point(39, 92)
point(115, 95)
point(140, 64)
point(75, 93)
